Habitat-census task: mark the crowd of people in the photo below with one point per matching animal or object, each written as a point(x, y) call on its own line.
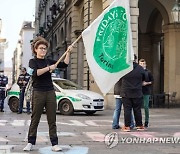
point(131, 91)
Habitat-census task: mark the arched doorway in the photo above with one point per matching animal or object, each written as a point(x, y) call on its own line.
point(152, 17)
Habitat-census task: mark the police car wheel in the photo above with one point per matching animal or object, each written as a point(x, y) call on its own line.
point(13, 104)
point(90, 112)
point(66, 107)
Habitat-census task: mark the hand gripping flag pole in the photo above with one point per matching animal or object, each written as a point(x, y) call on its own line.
point(60, 59)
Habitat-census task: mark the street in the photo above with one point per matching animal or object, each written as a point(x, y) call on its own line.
point(82, 134)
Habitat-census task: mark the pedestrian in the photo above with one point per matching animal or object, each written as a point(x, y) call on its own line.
point(117, 110)
point(146, 89)
point(132, 97)
point(3, 83)
point(23, 80)
point(43, 92)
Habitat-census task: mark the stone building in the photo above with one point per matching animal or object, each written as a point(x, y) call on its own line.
point(3, 46)
point(23, 52)
point(155, 38)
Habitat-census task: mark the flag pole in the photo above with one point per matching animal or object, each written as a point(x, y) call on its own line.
point(60, 59)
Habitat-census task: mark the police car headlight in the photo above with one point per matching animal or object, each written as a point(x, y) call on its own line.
point(83, 96)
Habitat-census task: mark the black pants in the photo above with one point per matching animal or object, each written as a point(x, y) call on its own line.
point(40, 100)
point(2, 97)
point(135, 104)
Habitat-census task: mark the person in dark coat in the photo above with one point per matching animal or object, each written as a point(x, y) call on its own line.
point(132, 96)
point(23, 80)
point(117, 110)
point(3, 83)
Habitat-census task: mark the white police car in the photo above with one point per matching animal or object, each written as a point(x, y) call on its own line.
point(69, 96)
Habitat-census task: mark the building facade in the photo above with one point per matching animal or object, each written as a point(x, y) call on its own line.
point(3, 46)
point(155, 38)
point(23, 52)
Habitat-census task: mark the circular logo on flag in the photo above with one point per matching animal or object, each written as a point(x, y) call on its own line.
point(110, 46)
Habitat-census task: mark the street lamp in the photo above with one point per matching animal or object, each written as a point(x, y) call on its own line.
point(176, 12)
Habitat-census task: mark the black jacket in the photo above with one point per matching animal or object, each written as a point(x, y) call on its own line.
point(117, 87)
point(23, 77)
point(3, 82)
point(148, 78)
point(44, 81)
point(132, 82)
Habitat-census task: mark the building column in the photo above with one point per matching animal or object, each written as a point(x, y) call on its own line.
point(156, 54)
point(172, 59)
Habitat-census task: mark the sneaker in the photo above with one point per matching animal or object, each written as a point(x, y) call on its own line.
point(132, 127)
point(117, 127)
point(28, 113)
point(146, 124)
point(126, 129)
point(140, 128)
point(28, 147)
point(56, 148)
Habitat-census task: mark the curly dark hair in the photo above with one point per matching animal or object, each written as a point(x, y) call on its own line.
point(37, 41)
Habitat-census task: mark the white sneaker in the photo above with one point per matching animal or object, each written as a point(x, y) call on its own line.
point(28, 147)
point(56, 148)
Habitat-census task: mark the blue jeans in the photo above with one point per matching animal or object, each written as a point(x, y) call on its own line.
point(117, 113)
point(21, 100)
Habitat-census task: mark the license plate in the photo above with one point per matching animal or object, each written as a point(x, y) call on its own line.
point(99, 104)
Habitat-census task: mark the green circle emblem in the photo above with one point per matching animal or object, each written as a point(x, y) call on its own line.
point(110, 47)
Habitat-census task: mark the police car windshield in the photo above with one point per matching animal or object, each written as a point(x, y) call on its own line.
point(66, 84)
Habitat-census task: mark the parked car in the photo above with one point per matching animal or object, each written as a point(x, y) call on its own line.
point(70, 98)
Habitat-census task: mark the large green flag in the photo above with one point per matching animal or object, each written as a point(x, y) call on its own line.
point(108, 45)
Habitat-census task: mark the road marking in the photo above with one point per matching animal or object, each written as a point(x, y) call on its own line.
point(3, 139)
point(47, 150)
point(77, 123)
point(66, 149)
point(44, 136)
point(18, 123)
point(95, 136)
point(7, 149)
point(40, 138)
point(58, 134)
point(73, 123)
point(3, 122)
point(93, 122)
point(177, 134)
point(143, 134)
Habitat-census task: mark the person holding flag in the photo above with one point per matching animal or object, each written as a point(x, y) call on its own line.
point(43, 91)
